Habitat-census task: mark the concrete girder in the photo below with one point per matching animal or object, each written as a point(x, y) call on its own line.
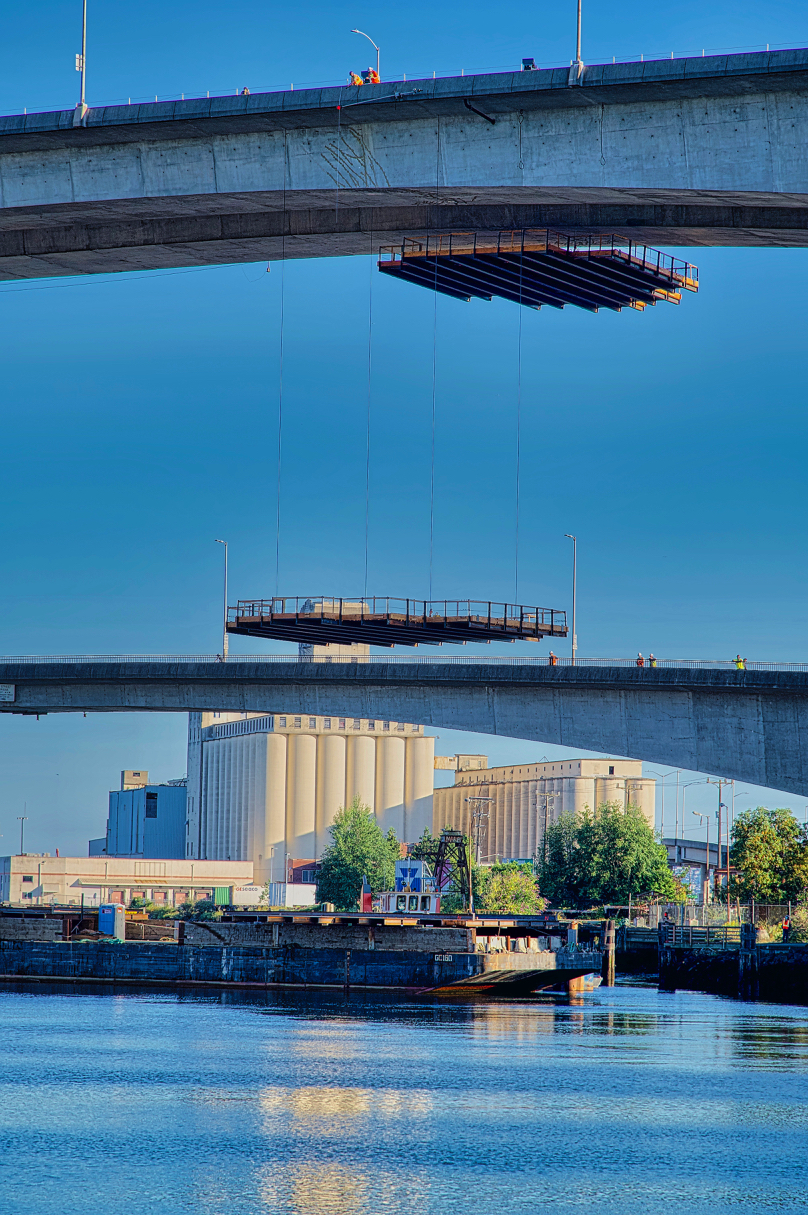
point(678, 152)
point(750, 725)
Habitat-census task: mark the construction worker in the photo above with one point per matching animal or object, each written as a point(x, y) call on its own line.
point(740, 663)
point(553, 661)
point(786, 929)
point(354, 79)
point(651, 660)
point(640, 660)
point(371, 76)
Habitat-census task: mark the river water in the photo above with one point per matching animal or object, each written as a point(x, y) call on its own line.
point(620, 1102)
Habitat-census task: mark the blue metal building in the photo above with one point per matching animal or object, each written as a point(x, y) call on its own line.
point(148, 822)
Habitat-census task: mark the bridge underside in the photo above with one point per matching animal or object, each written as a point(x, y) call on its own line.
point(749, 725)
point(220, 229)
point(706, 151)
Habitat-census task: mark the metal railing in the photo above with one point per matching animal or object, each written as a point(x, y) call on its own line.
point(724, 936)
point(418, 659)
point(543, 240)
point(401, 611)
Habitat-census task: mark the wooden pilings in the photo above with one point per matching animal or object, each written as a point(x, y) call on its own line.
point(609, 953)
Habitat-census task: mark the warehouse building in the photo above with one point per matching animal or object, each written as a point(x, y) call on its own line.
point(39, 879)
point(265, 787)
point(514, 805)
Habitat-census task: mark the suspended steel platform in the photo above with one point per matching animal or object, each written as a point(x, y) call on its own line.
point(389, 622)
point(537, 266)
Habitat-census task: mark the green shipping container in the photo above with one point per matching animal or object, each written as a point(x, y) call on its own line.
point(221, 896)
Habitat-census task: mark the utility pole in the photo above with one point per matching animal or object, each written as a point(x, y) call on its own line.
point(22, 819)
point(80, 115)
point(478, 814)
point(578, 58)
point(224, 629)
point(574, 540)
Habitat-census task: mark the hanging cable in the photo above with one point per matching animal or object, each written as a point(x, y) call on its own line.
point(280, 382)
point(367, 451)
point(434, 370)
point(518, 430)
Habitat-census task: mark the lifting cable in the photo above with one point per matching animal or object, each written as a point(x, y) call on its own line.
point(518, 433)
point(434, 367)
point(367, 452)
point(280, 381)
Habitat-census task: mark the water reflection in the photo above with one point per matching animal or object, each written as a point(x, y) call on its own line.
point(621, 1101)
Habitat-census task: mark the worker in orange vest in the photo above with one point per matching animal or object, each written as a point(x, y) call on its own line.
point(354, 79)
point(371, 76)
point(553, 661)
point(640, 660)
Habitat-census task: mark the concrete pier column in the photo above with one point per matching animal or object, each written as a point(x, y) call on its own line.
point(419, 782)
point(301, 782)
point(270, 834)
point(331, 760)
point(390, 752)
point(361, 770)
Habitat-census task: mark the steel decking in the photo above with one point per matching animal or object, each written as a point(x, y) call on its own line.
point(533, 267)
point(389, 622)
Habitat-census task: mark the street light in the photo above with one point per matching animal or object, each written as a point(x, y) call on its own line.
point(706, 889)
point(578, 58)
point(81, 66)
point(22, 819)
point(574, 540)
point(663, 777)
point(224, 630)
point(372, 43)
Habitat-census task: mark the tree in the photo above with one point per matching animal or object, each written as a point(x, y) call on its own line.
point(511, 889)
point(770, 852)
point(359, 850)
point(604, 858)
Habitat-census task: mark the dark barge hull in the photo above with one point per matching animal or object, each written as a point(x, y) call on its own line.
point(231, 966)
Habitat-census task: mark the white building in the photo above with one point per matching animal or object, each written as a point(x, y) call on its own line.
point(266, 787)
point(525, 798)
point(40, 879)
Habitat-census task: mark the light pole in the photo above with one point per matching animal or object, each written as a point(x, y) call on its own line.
point(663, 777)
point(578, 58)
point(373, 44)
point(224, 629)
point(706, 889)
point(22, 819)
point(574, 540)
point(81, 66)
point(722, 784)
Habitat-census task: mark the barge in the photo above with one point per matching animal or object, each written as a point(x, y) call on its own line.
point(439, 955)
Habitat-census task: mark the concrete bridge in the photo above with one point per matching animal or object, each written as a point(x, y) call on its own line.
point(705, 151)
point(751, 725)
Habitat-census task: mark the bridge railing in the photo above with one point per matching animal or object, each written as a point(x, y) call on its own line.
point(698, 664)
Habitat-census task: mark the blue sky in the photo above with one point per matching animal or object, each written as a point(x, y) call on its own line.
point(140, 412)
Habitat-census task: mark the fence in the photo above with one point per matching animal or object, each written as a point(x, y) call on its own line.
point(697, 664)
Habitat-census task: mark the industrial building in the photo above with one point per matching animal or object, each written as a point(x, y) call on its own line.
point(265, 788)
point(514, 805)
point(39, 878)
point(145, 820)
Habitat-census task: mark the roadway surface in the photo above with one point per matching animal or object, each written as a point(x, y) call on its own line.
point(704, 151)
point(751, 725)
